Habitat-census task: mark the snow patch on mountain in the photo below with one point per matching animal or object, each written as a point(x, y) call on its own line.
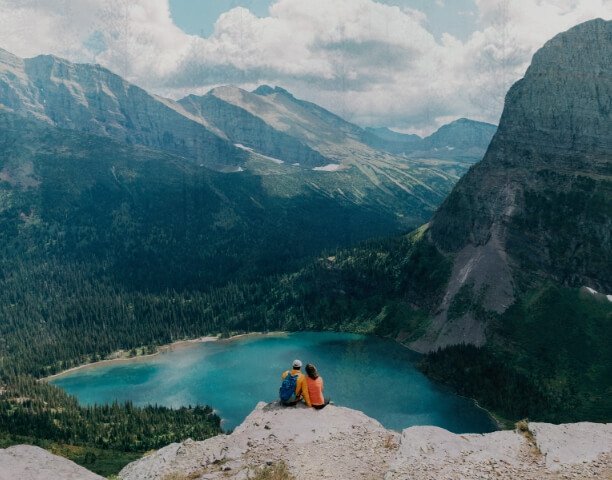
point(331, 167)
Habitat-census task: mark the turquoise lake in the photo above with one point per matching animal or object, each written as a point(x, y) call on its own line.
point(374, 375)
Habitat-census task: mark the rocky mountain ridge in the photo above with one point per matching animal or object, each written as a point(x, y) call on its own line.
point(341, 443)
point(538, 205)
point(91, 99)
point(212, 130)
point(463, 139)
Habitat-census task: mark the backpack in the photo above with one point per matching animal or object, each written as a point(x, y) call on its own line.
point(287, 388)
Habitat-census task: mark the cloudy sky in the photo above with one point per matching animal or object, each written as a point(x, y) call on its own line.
point(407, 64)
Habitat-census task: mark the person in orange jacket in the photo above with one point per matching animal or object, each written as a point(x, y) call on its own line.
point(293, 389)
point(314, 386)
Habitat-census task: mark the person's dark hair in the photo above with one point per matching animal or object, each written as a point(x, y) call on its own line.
point(311, 370)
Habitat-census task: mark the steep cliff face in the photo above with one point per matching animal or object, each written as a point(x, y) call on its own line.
point(539, 204)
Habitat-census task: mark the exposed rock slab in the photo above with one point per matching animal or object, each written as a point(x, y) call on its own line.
point(571, 443)
point(26, 462)
point(334, 442)
point(341, 443)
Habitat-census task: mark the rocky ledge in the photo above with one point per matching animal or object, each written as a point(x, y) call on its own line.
point(340, 443)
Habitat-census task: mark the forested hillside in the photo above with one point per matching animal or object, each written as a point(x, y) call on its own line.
point(106, 246)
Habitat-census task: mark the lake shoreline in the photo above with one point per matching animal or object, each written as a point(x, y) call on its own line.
point(119, 357)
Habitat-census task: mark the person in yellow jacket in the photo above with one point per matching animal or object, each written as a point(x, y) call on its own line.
point(294, 388)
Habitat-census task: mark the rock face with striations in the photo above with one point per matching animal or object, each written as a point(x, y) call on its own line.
point(539, 205)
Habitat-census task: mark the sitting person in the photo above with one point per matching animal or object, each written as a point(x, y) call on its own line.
point(314, 385)
point(293, 389)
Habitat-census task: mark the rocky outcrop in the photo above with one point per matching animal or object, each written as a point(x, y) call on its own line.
point(25, 462)
point(538, 205)
point(341, 443)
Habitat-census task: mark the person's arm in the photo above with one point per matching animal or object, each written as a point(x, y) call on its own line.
point(284, 374)
point(303, 386)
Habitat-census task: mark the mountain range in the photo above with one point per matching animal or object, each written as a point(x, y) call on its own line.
point(462, 139)
point(221, 129)
point(292, 147)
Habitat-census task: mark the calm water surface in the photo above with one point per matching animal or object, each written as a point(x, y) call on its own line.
point(374, 375)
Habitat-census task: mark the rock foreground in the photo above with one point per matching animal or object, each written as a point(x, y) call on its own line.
point(341, 443)
point(25, 462)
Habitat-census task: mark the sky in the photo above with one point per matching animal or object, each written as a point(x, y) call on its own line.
point(411, 65)
point(457, 17)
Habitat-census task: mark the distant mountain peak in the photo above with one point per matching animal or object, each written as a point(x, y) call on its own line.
point(462, 133)
point(265, 90)
point(226, 92)
point(465, 138)
point(463, 121)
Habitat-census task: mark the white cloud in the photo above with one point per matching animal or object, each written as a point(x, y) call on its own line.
point(375, 64)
